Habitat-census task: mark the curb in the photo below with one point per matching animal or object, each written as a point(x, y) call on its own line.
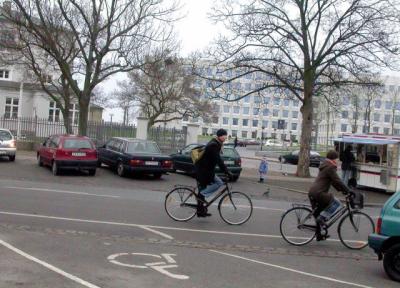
point(255, 158)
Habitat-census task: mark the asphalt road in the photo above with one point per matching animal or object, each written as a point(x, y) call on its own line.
point(104, 231)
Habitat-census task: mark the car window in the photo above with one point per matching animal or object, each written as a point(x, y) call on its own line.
point(110, 144)
point(229, 153)
point(5, 135)
point(397, 205)
point(142, 147)
point(77, 144)
point(189, 148)
point(52, 143)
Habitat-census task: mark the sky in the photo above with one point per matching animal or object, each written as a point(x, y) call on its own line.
point(195, 31)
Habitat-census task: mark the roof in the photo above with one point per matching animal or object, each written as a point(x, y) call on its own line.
point(132, 139)
point(367, 140)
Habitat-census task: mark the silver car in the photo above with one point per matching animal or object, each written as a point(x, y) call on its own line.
point(8, 145)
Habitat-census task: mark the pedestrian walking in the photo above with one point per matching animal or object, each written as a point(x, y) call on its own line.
point(263, 169)
point(347, 159)
point(235, 142)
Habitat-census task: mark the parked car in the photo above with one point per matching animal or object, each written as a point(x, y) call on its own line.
point(293, 158)
point(8, 144)
point(386, 241)
point(68, 152)
point(183, 161)
point(128, 155)
point(273, 143)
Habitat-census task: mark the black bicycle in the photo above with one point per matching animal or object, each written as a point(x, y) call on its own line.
point(298, 224)
point(235, 208)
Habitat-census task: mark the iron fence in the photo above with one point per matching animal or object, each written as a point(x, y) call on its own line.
point(169, 140)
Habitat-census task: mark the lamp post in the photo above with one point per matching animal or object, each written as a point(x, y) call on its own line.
point(262, 137)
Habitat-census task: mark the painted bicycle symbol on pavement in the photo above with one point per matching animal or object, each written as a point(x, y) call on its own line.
point(159, 266)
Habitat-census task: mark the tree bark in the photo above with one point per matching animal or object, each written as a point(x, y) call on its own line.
point(83, 117)
point(303, 166)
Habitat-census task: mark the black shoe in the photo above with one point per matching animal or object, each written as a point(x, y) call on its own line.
point(202, 211)
point(203, 214)
point(322, 237)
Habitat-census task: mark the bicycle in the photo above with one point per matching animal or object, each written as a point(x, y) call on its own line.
point(235, 208)
point(298, 224)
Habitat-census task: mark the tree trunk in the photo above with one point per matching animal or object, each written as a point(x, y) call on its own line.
point(303, 166)
point(83, 117)
point(67, 122)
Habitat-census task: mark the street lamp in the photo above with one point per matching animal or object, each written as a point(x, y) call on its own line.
point(262, 137)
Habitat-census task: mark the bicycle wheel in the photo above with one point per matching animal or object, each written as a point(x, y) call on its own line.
point(181, 204)
point(235, 208)
point(298, 226)
point(354, 229)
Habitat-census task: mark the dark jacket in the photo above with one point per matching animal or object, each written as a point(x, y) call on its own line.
point(347, 159)
point(205, 167)
point(327, 176)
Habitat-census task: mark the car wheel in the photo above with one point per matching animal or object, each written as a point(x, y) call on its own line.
point(39, 160)
point(55, 169)
point(92, 172)
point(235, 178)
point(391, 262)
point(11, 158)
point(157, 175)
point(121, 170)
point(99, 163)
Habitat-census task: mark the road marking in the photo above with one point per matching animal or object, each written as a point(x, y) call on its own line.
point(62, 191)
point(259, 208)
point(48, 266)
point(144, 227)
point(292, 270)
point(151, 228)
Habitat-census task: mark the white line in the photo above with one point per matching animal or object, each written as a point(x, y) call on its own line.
point(48, 266)
point(151, 227)
point(144, 227)
point(293, 270)
point(260, 208)
point(62, 191)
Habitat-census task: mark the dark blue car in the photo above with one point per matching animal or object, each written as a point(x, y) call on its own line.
point(134, 156)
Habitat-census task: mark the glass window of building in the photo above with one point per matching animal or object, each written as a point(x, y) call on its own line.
point(204, 131)
point(286, 102)
point(388, 105)
point(236, 109)
point(265, 123)
point(345, 114)
point(294, 126)
point(235, 121)
point(254, 134)
point(386, 131)
point(234, 133)
point(11, 108)
point(397, 119)
point(225, 120)
point(378, 104)
point(377, 117)
point(343, 128)
point(244, 134)
point(277, 101)
point(4, 74)
point(247, 99)
point(295, 114)
point(248, 86)
point(256, 111)
point(396, 131)
point(214, 131)
point(227, 109)
point(215, 120)
point(257, 99)
point(245, 122)
point(216, 108)
point(387, 118)
point(375, 129)
point(346, 101)
point(274, 124)
point(275, 113)
point(285, 114)
point(265, 112)
point(296, 103)
point(54, 112)
point(255, 123)
point(266, 100)
point(246, 110)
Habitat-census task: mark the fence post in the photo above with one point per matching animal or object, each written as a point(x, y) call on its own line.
point(141, 130)
point(192, 133)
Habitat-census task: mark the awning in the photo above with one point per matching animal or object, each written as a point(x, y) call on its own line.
point(372, 141)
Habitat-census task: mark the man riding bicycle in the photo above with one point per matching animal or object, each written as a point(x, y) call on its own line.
point(205, 170)
point(319, 195)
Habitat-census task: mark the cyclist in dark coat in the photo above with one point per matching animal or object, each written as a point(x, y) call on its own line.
point(205, 169)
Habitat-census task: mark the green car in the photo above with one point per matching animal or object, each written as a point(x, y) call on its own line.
point(386, 241)
point(182, 161)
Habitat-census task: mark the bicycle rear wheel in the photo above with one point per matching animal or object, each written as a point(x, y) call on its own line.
point(298, 226)
point(235, 208)
point(181, 204)
point(354, 229)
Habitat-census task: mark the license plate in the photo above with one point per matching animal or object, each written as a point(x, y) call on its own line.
point(229, 162)
point(78, 154)
point(151, 163)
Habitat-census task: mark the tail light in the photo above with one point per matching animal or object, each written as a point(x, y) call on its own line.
point(136, 162)
point(379, 226)
point(62, 153)
point(239, 162)
point(166, 164)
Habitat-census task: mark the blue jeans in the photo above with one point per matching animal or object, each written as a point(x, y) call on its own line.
point(346, 176)
point(213, 187)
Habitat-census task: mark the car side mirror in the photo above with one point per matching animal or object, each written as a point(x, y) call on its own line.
point(179, 151)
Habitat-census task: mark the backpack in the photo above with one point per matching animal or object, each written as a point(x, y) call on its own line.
point(197, 153)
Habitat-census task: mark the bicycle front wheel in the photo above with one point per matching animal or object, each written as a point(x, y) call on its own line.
point(235, 208)
point(354, 229)
point(298, 226)
point(181, 204)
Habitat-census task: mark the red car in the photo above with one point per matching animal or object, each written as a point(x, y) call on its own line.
point(68, 152)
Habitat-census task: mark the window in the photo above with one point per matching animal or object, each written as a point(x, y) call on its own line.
point(346, 101)
point(377, 117)
point(245, 122)
point(246, 110)
point(77, 144)
point(344, 128)
point(387, 118)
point(345, 114)
point(185, 118)
point(204, 131)
point(4, 74)
point(386, 131)
point(256, 111)
point(397, 119)
point(285, 114)
point(255, 123)
point(265, 112)
point(257, 99)
point(54, 112)
point(396, 132)
point(235, 121)
point(244, 134)
point(234, 133)
point(295, 114)
point(215, 120)
point(254, 134)
point(388, 105)
point(266, 100)
point(355, 115)
point(294, 126)
point(265, 123)
point(277, 101)
point(378, 104)
point(236, 109)
point(248, 87)
point(296, 103)
point(274, 124)
point(225, 121)
point(227, 109)
point(247, 99)
point(275, 113)
point(286, 102)
point(74, 113)
point(11, 110)
point(375, 129)
point(216, 108)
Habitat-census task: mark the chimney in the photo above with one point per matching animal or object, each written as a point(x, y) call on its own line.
point(7, 7)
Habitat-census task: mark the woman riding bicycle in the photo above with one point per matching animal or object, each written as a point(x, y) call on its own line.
point(319, 194)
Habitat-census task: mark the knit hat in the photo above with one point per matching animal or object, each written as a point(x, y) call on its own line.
point(221, 132)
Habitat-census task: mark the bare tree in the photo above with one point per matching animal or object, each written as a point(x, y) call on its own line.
point(164, 91)
point(110, 36)
point(304, 46)
point(395, 93)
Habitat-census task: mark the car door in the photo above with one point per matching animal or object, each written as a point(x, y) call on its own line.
point(115, 152)
point(107, 152)
point(45, 151)
point(185, 159)
point(53, 145)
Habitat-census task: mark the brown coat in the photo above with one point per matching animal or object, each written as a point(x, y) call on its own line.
point(319, 191)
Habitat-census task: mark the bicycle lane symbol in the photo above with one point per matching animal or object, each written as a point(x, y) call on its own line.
point(160, 266)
